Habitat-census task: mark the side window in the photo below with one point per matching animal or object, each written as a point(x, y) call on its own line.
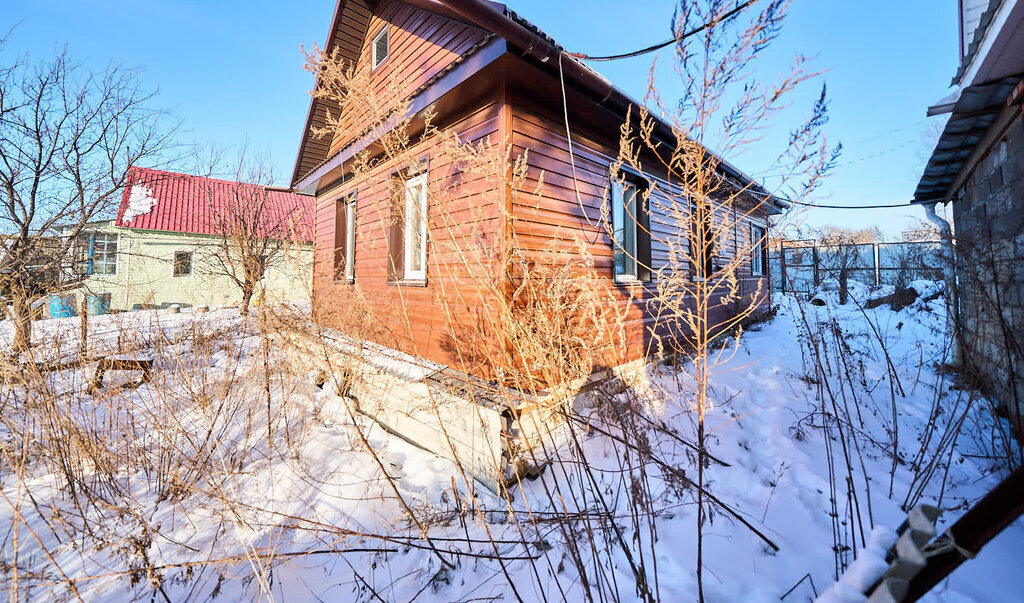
point(350, 237)
point(182, 263)
point(345, 237)
point(703, 239)
point(407, 229)
point(415, 251)
point(758, 250)
point(380, 49)
point(630, 229)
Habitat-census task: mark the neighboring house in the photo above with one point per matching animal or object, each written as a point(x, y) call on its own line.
point(485, 73)
point(165, 246)
point(978, 167)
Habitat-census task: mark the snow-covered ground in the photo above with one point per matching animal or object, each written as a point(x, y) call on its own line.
point(193, 499)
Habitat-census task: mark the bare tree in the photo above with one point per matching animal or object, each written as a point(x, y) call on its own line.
point(841, 254)
point(67, 138)
point(254, 224)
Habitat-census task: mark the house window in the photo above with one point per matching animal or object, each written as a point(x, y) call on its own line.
point(631, 229)
point(96, 254)
point(182, 263)
point(416, 228)
point(345, 238)
point(703, 239)
point(407, 233)
point(380, 47)
point(758, 250)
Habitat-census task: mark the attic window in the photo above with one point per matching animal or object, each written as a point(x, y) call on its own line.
point(380, 47)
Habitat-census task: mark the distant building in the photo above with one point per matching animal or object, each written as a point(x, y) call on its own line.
point(978, 166)
point(163, 247)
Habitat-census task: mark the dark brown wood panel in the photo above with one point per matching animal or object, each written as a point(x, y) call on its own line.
point(421, 45)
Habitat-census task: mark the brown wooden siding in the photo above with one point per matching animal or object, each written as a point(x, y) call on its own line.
point(468, 214)
point(421, 45)
point(555, 219)
point(420, 320)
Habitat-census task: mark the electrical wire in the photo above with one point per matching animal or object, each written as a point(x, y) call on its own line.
point(649, 49)
point(659, 46)
point(884, 206)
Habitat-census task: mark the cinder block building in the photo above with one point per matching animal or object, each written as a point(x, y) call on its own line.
point(978, 167)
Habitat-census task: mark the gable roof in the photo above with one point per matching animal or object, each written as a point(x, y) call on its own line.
point(348, 40)
point(173, 202)
point(530, 41)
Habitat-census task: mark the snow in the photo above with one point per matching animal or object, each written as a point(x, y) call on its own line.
point(140, 202)
point(321, 502)
point(864, 572)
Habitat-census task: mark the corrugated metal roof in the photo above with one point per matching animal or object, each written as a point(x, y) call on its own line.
point(974, 112)
point(173, 202)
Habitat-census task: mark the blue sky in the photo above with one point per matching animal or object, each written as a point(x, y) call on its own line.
point(232, 71)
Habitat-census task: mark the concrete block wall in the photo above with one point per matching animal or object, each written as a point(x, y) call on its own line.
point(989, 222)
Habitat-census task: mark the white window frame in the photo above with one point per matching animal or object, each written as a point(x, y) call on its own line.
point(191, 263)
point(350, 236)
point(375, 60)
point(619, 216)
point(418, 181)
point(759, 240)
point(90, 251)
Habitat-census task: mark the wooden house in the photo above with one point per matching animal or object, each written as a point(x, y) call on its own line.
point(484, 73)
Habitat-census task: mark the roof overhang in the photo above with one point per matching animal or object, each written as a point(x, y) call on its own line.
point(973, 112)
point(428, 95)
point(998, 44)
point(530, 43)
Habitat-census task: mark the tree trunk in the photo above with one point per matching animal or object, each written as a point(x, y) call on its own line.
point(22, 314)
point(844, 279)
point(247, 292)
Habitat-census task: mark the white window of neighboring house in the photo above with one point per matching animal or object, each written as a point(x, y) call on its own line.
point(379, 50)
point(182, 263)
point(415, 251)
point(97, 253)
point(261, 266)
point(759, 250)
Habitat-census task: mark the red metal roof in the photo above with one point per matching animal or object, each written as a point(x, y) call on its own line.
point(174, 202)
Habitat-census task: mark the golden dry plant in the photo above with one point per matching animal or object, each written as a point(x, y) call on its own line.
point(537, 326)
point(700, 207)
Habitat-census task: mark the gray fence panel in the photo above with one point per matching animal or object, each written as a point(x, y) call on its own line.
point(901, 263)
point(800, 266)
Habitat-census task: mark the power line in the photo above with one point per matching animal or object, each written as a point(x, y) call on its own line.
point(659, 46)
point(904, 204)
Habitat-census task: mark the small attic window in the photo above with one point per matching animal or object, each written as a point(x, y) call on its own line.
point(380, 47)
